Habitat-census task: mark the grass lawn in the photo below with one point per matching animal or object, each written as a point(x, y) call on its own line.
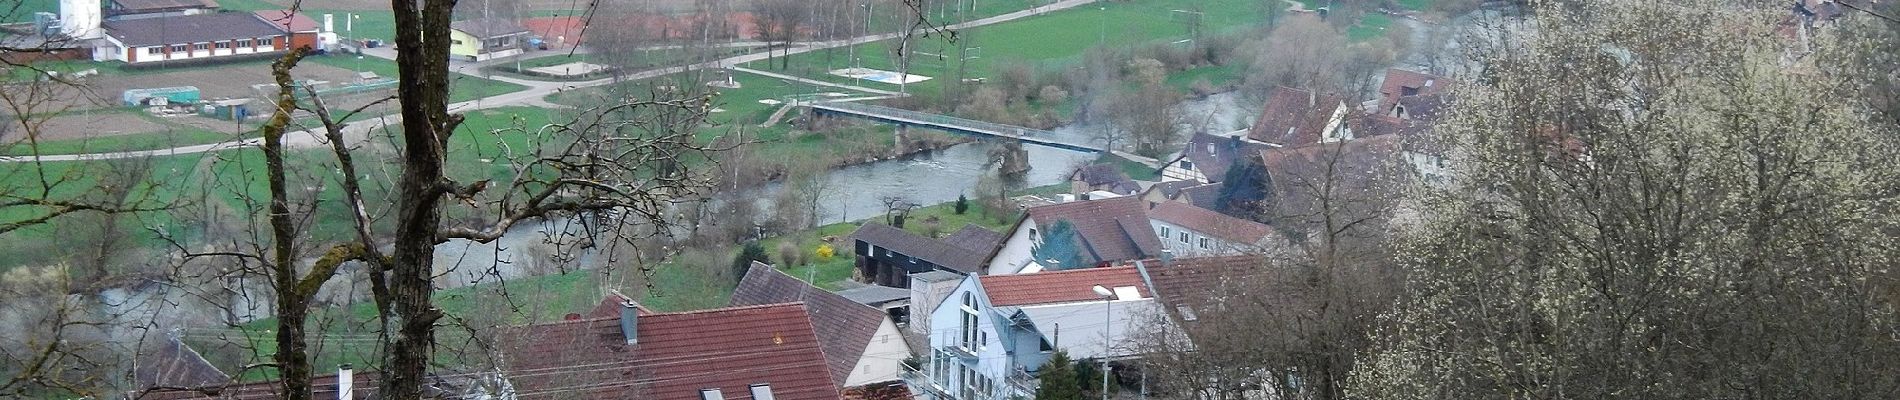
point(462, 87)
point(22, 10)
point(137, 141)
point(1372, 26)
point(1059, 38)
point(1415, 5)
point(1135, 170)
point(1217, 75)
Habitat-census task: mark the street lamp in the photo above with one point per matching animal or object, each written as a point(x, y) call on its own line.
point(1108, 326)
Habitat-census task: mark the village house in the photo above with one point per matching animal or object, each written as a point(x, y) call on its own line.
point(862, 345)
point(887, 255)
point(204, 36)
point(994, 332)
point(1106, 231)
point(1401, 84)
point(1107, 179)
point(1298, 117)
point(484, 38)
point(1207, 157)
point(756, 352)
point(1189, 231)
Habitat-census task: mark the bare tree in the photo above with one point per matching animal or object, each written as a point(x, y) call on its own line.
point(782, 21)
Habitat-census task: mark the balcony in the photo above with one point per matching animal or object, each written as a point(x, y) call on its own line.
point(921, 380)
point(1023, 381)
point(961, 352)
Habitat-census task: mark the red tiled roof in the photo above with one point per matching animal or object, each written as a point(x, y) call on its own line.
point(1110, 229)
point(288, 21)
point(1402, 83)
point(363, 386)
point(1212, 223)
point(1364, 174)
point(844, 327)
point(678, 355)
point(1058, 286)
point(1294, 117)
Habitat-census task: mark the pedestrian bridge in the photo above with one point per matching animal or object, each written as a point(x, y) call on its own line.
point(951, 124)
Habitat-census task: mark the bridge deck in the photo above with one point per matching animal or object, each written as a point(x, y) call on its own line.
point(954, 124)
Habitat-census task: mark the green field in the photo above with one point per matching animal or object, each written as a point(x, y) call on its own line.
point(1050, 40)
point(22, 10)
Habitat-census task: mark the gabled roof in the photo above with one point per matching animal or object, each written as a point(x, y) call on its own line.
point(287, 21)
point(1187, 282)
point(1211, 223)
point(1423, 107)
point(363, 385)
point(1203, 196)
point(1171, 189)
point(137, 6)
point(678, 355)
point(1363, 174)
point(844, 327)
point(1110, 229)
point(1294, 117)
point(487, 27)
point(975, 238)
point(876, 294)
point(1105, 175)
point(1053, 287)
point(935, 251)
point(1213, 154)
point(1401, 83)
point(145, 32)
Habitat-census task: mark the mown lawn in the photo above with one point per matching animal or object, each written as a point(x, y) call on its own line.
point(1050, 40)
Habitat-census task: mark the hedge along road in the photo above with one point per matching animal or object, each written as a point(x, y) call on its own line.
point(536, 90)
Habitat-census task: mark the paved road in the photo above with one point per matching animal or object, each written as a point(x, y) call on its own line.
point(535, 92)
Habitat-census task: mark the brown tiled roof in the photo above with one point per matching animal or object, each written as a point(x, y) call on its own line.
point(843, 326)
point(363, 386)
point(678, 354)
point(124, 6)
point(610, 307)
point(1400, 83)
point(1363, 171)
point(1212, 223)
point(1105, 175)
point(1203, 196)
point(1294, 117)
point(1110, 229)
point(884, 391)
point(1188, 281)
point(184, 29)
point(288, 21)
point(1052, 287)
point(935, 251)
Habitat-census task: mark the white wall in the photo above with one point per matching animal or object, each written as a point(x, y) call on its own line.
point(210, 51)
point(1174, 172)
point(1216, 246)
point(883, 357)
point(1016, 250)
point(992, 358)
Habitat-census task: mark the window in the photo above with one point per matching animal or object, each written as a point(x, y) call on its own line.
point(969, 338)
point(711, 394)
point(1032, 235)
point(244, 43)
point(1165, 232)
point(1184, 237)
point(1206, 244)
point(265, 42)
point(458, 42)
point(154, 50)
point(201, 46)
point(1187, 165)
point(222, 45)
point(179, 48)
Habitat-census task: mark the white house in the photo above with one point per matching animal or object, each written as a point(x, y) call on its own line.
point(1106, 231)
point(862, 345)
point(994, 332)
point(1189, 231)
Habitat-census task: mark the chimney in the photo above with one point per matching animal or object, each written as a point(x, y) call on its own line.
point(345, 380)
point(1210, 148)
point(630, 321)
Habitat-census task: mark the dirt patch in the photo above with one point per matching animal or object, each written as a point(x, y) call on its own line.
point(232, 80)
point(89, 125)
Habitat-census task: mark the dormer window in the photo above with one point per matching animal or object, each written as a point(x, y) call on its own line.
point(1187, 165)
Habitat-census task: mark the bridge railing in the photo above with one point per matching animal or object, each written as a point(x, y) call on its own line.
point(937, 119)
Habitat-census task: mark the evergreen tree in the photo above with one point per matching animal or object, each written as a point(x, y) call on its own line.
point(1058, 244)
point(1243, 190)
point(753, 251)
point(1058, 378)
point(963, 204)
